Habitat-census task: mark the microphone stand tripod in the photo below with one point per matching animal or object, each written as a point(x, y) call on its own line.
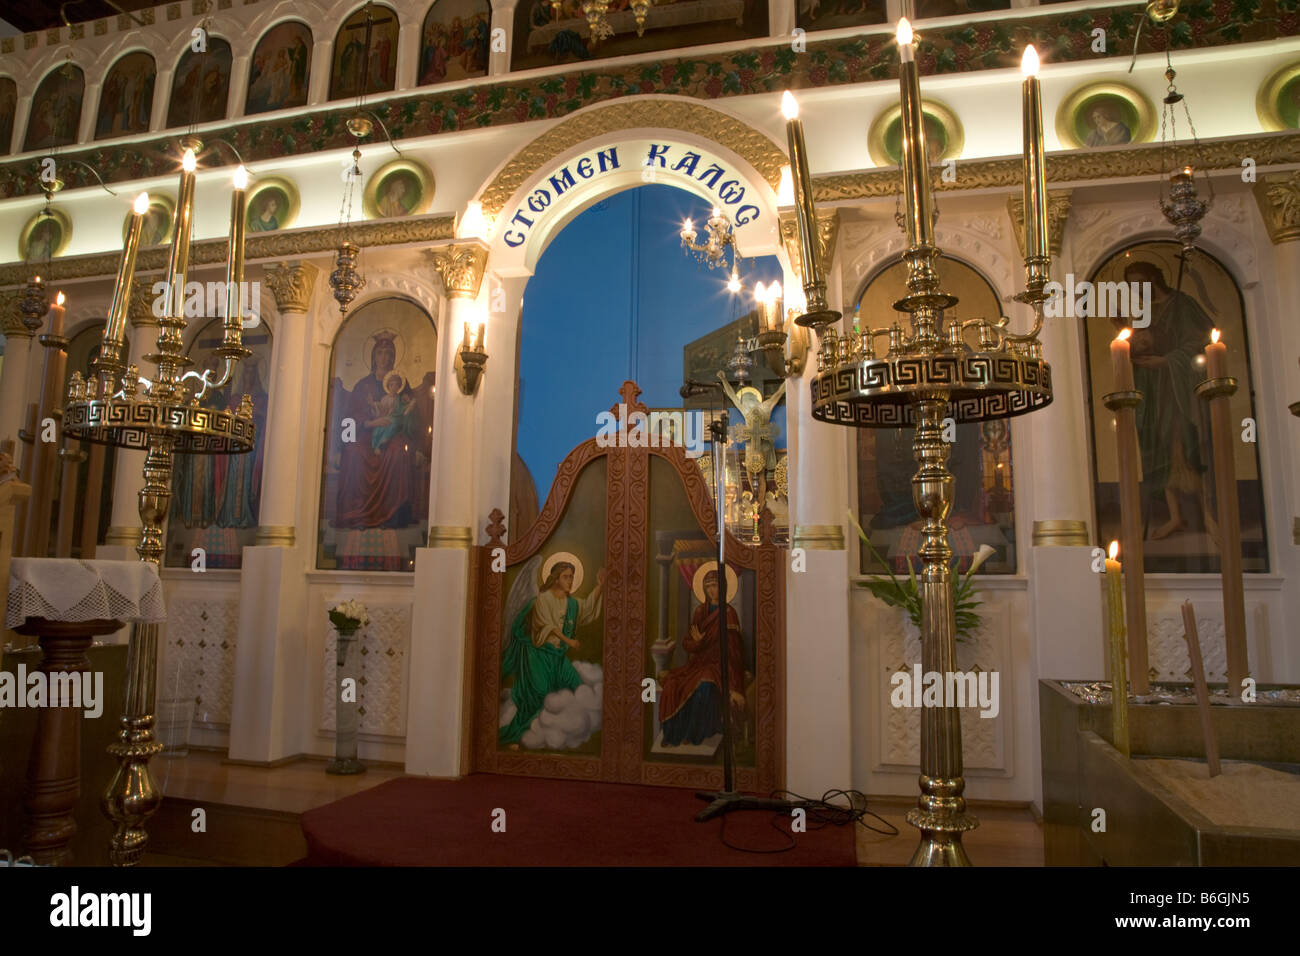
point(727, 799)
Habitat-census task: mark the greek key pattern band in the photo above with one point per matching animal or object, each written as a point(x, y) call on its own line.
point(196, 430)
point(980, 386)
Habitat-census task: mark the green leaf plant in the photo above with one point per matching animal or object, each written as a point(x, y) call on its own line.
point(906, 594)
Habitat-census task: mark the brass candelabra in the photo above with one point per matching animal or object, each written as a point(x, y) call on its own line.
point(162, 416)
point(930, 373)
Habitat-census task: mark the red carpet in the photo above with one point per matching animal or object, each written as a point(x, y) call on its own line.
point(416, 821)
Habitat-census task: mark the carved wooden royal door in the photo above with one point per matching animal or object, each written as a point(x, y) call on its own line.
point(620, 682)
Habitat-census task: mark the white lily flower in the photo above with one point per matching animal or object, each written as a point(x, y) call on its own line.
point(983, 554)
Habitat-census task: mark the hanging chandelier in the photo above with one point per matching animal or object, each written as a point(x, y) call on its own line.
point(713, 251)
point(1181, 206)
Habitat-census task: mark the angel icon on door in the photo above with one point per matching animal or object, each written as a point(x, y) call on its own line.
point(540, 633)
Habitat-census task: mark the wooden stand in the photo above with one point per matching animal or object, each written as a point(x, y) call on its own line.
point(1124, 404)
point(54, 772)
point(1202, 692)
point(1218, 392)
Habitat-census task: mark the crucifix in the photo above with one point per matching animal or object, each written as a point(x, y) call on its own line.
point(364, 61)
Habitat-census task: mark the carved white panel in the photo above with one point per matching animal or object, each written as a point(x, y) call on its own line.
point(1167, 647)
point(986, 741)
point(380, 668)
point(200, 655)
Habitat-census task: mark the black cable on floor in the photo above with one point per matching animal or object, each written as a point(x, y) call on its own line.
point(821, 813)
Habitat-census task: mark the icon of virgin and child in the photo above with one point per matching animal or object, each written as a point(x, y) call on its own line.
point(382, 479)
point(541, 631)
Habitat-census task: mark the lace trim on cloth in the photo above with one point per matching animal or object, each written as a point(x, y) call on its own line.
point(65, 589)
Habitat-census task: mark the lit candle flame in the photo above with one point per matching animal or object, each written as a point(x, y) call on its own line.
point(789, 106)
point(60, 298)
point(904, 32)
point(774, 291)
point(1114, 549)
point(1124, 334)
point(1214, 336)
point(687, 226)
point(141, 205)
point(760, 293)
point(241, 178)
point(1029, 62)
point(188, 162)
point(785, 191)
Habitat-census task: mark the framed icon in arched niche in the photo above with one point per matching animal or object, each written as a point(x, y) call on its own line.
point(374, 505)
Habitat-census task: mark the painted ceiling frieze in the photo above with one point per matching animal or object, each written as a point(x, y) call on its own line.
point(770, 68)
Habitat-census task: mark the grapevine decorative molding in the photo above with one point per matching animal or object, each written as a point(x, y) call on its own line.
point(1273, 149)
point(263, 246)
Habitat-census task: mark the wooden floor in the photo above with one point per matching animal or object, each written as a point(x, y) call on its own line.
point(291, 788)
point(252, 815)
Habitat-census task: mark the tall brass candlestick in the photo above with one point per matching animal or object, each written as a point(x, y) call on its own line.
point(1035, 182)
point(814, 283)
point(110, 361)
point(1217, 390)
point(131, 797)
point(169, 356)
point(916, 168)
point(235, 262)
point(1124, 404)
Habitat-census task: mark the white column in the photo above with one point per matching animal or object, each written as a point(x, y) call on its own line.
point(318, 85)
point(128, 469)
point(408, 53)
point(1275, 342)
point(503, 18)
point(495, 408)
point(13, 377)
point(1061, 474)
point(818, 693)
point(238, 91)
point(782, 16)
point(89, 113)
point(270, 658)
point(162, 89)
point(292, 287)
point(438, 639)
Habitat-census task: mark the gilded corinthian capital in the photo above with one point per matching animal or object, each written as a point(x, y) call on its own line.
point(292, 285)
point(461, 267)
point(1278, 197)
point(139, 307)
point(1058, 211)
point(828, 230)
point(11, 320)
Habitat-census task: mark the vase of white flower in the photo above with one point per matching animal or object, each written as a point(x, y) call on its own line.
point(348, 618)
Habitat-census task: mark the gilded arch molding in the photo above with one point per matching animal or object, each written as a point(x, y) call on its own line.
point(750, 144)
